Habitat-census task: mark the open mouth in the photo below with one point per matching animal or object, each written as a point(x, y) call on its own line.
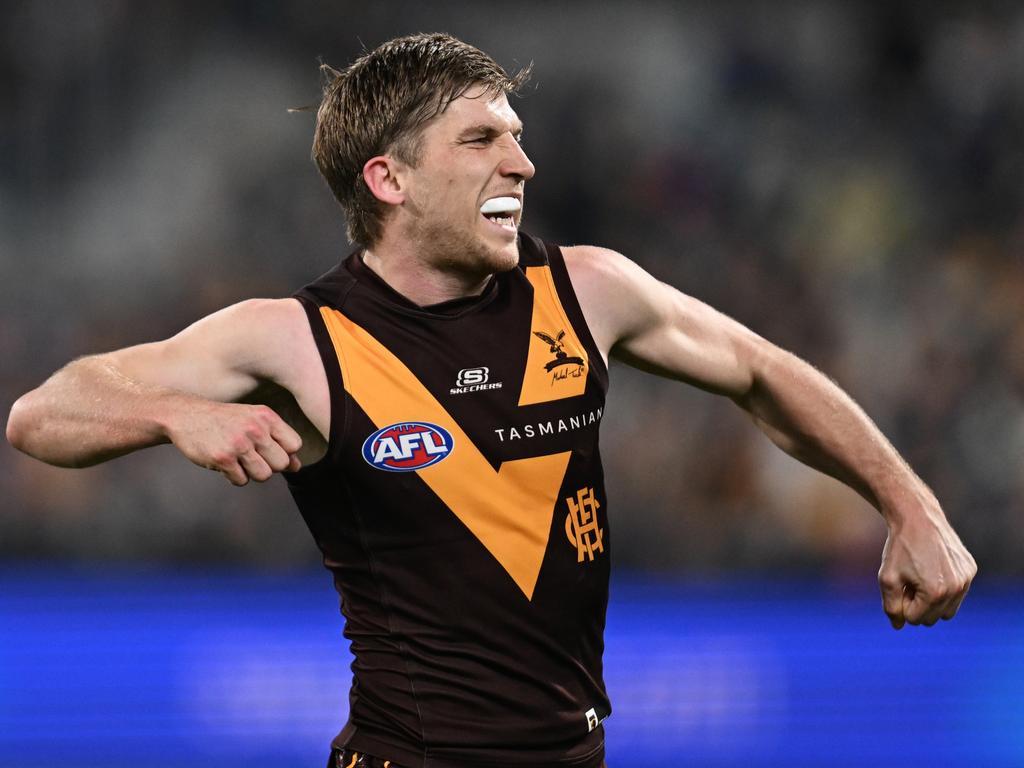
point(501, 212)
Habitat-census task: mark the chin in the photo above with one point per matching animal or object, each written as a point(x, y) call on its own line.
point(484, 256)
point(507, 257)
point(476, 253)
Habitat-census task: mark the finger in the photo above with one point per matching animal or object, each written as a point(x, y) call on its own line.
point(227, 464)
point(285, 436)
point(233, 472)
point(892, 601)
point(954, 604)
point(927, 609)
point(910, 604)
point(274, 455)
point(254, 466)
point(951, 607)
point(914, 606)
point(294, 465)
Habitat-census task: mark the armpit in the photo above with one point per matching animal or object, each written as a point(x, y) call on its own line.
point(314, 444)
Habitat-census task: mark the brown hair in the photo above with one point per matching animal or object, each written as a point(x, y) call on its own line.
point(381, 103)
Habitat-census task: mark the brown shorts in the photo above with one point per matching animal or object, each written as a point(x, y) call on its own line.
point(346, 758)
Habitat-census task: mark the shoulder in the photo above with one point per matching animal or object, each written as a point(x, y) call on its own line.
point(604, 272)
point(259, 321)
point(268, 324)
point(618, 297)
point(267, 310)
point(283, 315)
point(594, 262)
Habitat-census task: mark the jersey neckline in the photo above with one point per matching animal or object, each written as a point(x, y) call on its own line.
point(445, 310)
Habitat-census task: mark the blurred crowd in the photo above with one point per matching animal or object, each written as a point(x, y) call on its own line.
point(846, 179)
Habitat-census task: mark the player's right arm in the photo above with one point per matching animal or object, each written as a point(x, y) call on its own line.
point(180, 391)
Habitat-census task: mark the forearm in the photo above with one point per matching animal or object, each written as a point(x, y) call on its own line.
point(89, 412)
point(813, 420)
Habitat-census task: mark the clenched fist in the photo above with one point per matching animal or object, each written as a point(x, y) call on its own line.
point(926, 570)
point(242, 442)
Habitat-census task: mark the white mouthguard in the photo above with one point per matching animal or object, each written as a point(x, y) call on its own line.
point(500, 205)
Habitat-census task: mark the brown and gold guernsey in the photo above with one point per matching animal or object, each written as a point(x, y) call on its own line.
point(461, 509)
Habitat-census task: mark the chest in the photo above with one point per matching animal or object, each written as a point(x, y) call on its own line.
point(516, 376)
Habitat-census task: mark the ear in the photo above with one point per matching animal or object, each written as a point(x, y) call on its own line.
point(381, 176)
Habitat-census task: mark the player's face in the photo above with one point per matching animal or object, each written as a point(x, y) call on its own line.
point(469, 154)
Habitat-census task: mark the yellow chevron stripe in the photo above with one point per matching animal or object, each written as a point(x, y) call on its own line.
point(508, 510)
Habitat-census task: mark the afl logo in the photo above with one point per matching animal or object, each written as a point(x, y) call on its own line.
point(407, 446)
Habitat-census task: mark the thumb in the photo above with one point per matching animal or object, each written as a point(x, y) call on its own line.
point(894, 601)
point(915, 605)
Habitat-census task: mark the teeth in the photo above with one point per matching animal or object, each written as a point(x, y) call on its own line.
point(500, 205)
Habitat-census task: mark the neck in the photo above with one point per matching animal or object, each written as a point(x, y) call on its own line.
point(421, 282)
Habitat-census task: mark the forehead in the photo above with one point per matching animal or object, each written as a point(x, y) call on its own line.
point(476, 107)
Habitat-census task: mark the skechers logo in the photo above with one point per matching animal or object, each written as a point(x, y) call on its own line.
point(469, 376)
point(407, 446)
point(473, 380)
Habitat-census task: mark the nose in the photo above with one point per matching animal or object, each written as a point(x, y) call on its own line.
point(515, 162)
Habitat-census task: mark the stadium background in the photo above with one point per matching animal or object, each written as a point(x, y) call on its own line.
point(844, 178)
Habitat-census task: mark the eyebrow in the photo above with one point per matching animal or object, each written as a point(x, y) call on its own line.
point(489, 131)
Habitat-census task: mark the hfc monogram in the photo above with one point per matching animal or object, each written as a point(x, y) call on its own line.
point(581, 524)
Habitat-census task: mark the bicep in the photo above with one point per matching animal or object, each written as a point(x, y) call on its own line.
point(213, 358)
point(652, 326)
point(689, 341)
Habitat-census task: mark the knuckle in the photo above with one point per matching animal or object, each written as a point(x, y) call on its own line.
point(254, 432)
point(265, 413)
point(220, 458)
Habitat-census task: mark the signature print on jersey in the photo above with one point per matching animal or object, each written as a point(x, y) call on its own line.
point(556, 362)
point(570, 365)
point(407, 446)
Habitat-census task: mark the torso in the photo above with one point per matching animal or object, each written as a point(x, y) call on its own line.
point(474, 585)
point(302, 398)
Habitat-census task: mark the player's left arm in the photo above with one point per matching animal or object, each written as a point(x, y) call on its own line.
point(926, 571)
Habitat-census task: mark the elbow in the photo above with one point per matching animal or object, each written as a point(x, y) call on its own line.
point(26, 431)
point(18, 424)
point(25, 424)
point(26, 428)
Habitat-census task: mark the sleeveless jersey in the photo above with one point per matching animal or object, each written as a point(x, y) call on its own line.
point(461, 509)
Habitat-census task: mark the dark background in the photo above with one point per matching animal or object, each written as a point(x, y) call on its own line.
point(844, 178)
